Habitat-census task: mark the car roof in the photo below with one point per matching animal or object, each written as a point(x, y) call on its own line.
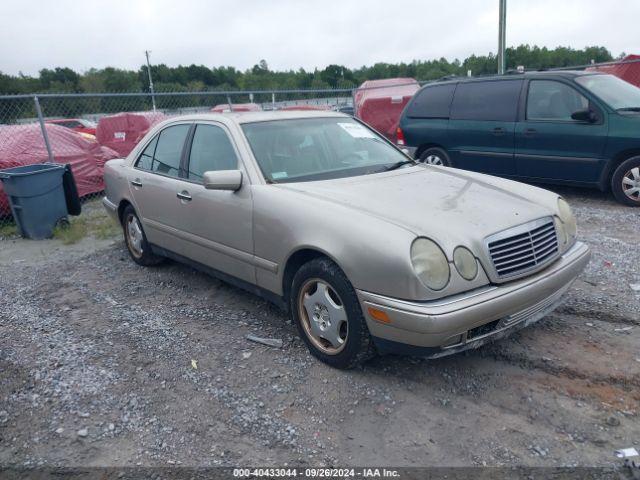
point(517, 75)
point(265, 116)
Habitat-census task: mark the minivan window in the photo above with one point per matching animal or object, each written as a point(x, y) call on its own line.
point(211, 149)
point(432, 102)
point(613, 90)
point(166, 159)
point(490, 101)
point(551, 100)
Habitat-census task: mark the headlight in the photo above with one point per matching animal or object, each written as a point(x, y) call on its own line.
point(465, 263)
point(430, 263)
point(562, 231)
point(569, 221)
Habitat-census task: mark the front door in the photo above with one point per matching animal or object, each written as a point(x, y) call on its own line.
point(216, 225)
point(549, 144)
point(482, 125)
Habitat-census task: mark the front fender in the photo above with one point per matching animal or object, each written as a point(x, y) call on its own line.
point(373, 253)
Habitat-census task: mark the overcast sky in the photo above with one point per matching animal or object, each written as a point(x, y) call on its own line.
point(289, 34)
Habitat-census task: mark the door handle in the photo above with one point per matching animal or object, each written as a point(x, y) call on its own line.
point(499, 131)
point(530, 132)
point(184, 195)
point(136, 183)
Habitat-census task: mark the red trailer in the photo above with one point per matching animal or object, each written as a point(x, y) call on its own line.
point(23, 145)
point(122, 131)
point(237, 107)
point(379, 103)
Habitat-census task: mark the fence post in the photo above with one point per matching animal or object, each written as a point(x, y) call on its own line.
point(353, 100)
point(229, 103)
point(43, 128)
point(273, 100)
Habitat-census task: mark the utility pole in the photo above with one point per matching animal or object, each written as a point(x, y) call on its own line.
point(502, 26)
point(153, 98)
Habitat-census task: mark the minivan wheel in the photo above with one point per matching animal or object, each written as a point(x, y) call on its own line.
point(435, 156)
point(136, 240)
point(625, 182)
point(327, 314)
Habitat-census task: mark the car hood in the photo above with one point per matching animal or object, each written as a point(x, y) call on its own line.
point(451, 206)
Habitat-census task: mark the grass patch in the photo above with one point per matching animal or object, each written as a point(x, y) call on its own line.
point(72, 232)
point(91, 223)
point(8, 230)
point(106, 229)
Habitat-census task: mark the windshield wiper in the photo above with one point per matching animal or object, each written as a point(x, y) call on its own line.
point(399, 164)
point(628, 109)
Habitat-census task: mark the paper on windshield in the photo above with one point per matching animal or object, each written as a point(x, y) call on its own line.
point(356, 130)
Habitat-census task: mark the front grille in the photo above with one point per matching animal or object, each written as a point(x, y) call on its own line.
point(524, 248)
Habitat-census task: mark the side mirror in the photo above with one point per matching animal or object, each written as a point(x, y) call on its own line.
point(586, 115)
point(222, 180)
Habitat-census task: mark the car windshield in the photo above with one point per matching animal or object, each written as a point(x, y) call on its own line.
point(614, 91)
point(300, 150)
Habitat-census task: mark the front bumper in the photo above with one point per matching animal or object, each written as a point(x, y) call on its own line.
point(460, 322)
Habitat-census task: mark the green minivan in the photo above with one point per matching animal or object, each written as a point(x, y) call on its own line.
point(564, 127)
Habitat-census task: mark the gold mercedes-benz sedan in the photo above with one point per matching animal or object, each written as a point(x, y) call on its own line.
point(368, 251)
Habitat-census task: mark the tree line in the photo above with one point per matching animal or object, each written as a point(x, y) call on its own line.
point(261, 77)
point(199, 78)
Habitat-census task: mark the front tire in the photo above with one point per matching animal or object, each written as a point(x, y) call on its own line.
point(326, 311)
point(625, 182)
point(435, 156)
point(136, 240)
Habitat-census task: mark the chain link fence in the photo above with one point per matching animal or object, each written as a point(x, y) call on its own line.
point(86, 130)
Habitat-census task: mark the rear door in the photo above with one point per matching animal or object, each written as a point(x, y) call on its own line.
point(482, 125)
point(426, 118)
point(550, 144)
point(154, 181)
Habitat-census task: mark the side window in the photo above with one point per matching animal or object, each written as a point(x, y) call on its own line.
point(166, 159)
point(432, 102)
point(491, 101)
point(211, 149)
point(146, 157)
point(551, 100)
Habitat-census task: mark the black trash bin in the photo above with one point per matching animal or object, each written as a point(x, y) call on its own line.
point(37, 199)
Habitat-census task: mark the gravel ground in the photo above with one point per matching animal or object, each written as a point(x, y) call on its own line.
point(106, 363)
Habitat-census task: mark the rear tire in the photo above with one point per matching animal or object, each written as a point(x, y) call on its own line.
point(136, 240)
point(327, 313)
point(625, 182)
point(435, 156)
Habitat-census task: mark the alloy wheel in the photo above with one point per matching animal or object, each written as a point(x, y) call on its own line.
point(631, 184)
point(433, 160)
point(323, 315)
point(134, 235)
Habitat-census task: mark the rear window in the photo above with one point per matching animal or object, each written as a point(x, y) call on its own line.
point(432, 102)
point(491, 101)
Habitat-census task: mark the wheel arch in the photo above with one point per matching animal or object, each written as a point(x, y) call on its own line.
point(124, 203)
point(610, 168)
point(296, 260)
point(426, 146)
